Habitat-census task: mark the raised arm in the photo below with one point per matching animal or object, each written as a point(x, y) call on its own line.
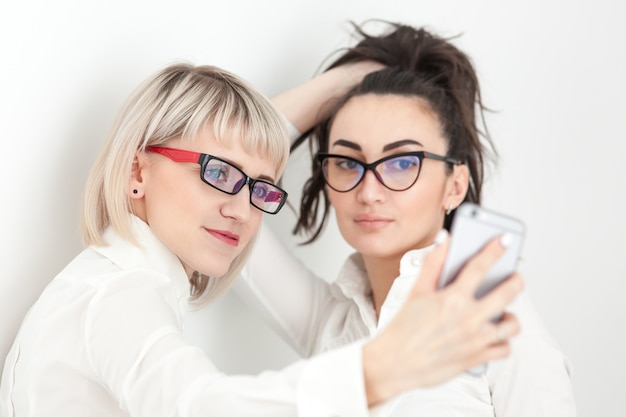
point(284, 292)
point(303, 105)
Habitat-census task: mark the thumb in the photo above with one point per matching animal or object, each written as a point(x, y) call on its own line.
point(433, 264)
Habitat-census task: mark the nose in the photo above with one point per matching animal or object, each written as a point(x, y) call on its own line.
point(370, 189)
point(237, 206)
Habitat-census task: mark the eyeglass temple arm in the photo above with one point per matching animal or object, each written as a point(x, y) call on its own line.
point(443, 158)
point(177, 155)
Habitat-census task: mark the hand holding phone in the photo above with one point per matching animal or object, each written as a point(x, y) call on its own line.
point(472, 228)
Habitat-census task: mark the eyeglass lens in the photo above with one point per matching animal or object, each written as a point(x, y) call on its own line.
point(399, 173)
point(230, 179)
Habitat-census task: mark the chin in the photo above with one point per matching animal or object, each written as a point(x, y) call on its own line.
point(383, 248)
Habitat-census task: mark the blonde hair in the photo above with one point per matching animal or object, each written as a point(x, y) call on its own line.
point(179, 101)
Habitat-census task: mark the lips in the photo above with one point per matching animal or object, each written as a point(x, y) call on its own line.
point(372, 221)
point(225, 236)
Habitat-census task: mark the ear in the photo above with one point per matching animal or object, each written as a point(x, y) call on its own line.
point(457, 187)
point(135, 183)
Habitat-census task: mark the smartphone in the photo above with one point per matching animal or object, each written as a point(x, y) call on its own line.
point(473, 226)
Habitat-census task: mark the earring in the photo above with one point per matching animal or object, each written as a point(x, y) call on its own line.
point(449, 209)
point(135, 191)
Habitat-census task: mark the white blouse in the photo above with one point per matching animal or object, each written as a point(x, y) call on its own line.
point(317, 317)
point(105, 339)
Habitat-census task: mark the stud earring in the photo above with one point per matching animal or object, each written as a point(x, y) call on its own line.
point(449, 209)
point(135, 191)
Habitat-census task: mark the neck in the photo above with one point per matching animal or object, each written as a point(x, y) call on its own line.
point(381, 272)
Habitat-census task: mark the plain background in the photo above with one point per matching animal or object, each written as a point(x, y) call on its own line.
point(553, 71)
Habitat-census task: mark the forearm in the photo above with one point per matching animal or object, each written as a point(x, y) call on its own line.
point(151, 370)
point(306, 104)
point(286, 294)
point(177, 379)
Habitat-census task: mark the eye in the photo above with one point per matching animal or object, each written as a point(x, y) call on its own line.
point(260, 191)
point(215, 172)
point(402, 164)
point(346, 164)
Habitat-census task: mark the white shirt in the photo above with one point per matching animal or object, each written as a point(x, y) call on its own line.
point(105, 339)
point(534, 381)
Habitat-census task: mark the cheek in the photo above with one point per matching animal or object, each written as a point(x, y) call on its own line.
point(174, 193)
point(423, 205)
point(340, 202)
point(255, 220)
point(167, 192)
point(251, 226)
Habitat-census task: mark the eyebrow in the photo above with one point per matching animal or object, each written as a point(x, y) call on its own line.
point(260, 177)
point(387, 147)
point(265, 178)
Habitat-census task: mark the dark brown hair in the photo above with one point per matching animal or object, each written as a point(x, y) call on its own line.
point(418, 64)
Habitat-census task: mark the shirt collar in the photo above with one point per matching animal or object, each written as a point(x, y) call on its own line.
point(150, 254)
point(411, 261)
point(355, 285)
point(353, 278)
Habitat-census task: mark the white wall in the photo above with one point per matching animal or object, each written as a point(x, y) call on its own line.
point(555, 71)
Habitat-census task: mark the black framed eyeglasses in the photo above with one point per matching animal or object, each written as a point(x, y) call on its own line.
point(396, 172)
point(229, 179)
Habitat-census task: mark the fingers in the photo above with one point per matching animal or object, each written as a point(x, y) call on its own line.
point(358, 70)
point(502, 334)
point(477, 267)
point(438, 334)
point(496, 339)
point(496, 301)
point(473, 274)
point(508, 327)
point(502, 331)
